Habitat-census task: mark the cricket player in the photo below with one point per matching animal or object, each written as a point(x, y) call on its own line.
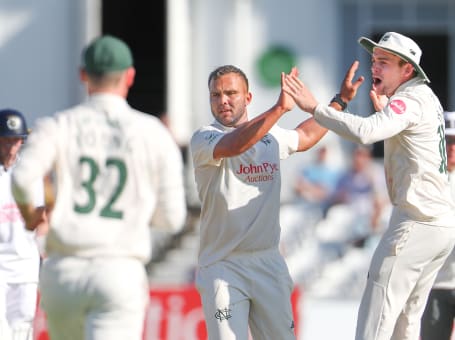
point(242, 278)
point(437, 319)
point(117, 172)
point(421, 232)
point(19, 256)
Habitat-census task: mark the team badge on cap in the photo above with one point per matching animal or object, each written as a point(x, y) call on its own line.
point(13, 123)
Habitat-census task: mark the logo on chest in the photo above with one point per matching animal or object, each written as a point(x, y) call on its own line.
point(263, 172)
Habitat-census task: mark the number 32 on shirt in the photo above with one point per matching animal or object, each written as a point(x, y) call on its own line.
point(107, 209)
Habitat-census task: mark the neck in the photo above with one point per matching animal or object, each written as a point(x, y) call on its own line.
point(117, 92)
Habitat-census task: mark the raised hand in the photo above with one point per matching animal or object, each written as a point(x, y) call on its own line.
point(285, 99)
point(379, 101)
point(349, 89)
point(293, 86)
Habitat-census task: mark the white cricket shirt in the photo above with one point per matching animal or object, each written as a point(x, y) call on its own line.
point(117, 171)
point(412, 127)
point(240, 196)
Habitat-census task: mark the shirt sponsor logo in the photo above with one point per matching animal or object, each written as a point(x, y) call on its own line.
point(13, 123)
point(266, 140)
point(223, 314)
point(258, 172)
point(398, 106)
point(9, 213)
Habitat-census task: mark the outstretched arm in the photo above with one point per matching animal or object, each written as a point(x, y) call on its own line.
point(305, 99)
point(250, 132)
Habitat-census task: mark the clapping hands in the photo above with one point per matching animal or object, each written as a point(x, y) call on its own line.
point(295, 88)
point(303, 97)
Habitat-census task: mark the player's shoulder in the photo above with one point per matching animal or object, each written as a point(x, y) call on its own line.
point(406, 98)
point(214, 127)
point(69, 113)
point(416, 96)
point(53, 120)
point(413, 90)
point(208, 132)
point(145, 122)
point(149, 130)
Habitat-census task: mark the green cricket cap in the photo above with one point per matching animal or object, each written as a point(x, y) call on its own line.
point(106, 54)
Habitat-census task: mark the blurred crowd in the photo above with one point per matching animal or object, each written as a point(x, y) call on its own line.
point(334, 222)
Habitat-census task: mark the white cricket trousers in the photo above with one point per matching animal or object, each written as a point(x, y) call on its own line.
point(249, 289)
point(401, 274)
point(17, 310)
point(94, 299)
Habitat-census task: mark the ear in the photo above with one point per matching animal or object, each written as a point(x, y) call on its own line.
point(130, 75)
point(409, 70)
point(249, 97)
point(83, 75)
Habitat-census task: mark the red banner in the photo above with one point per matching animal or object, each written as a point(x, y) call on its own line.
point(173, 314)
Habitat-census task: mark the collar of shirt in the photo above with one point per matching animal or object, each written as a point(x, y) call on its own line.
point(222, 127)
point(411, 82)
point(107, 99)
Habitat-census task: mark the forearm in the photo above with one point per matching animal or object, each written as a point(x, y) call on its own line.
point(352, 127)
point(364, 130)
point(248, 133)
point(33, 216)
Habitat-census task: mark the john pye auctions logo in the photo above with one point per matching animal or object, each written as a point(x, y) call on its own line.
point(258, 172)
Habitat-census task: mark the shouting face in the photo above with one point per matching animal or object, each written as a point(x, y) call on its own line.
point(388, 72)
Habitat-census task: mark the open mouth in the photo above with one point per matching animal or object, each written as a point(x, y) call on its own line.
point(376, 82)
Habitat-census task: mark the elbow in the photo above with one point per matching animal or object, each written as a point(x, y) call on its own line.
point(366, 135)
point(365, 140)
point(30, 227)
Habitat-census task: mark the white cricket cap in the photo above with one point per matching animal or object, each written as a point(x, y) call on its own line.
point(399, 45)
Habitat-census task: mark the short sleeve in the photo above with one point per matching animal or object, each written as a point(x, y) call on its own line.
point(288, 140)
point(202, 144)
